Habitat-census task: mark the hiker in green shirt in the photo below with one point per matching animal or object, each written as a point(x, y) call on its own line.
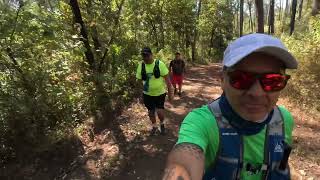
point(154, 74)
point(243, 134)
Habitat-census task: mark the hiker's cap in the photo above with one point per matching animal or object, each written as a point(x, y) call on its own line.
point(146, 50)
point(257, 42)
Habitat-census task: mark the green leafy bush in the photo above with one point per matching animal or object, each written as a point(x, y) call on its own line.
point(305, 83)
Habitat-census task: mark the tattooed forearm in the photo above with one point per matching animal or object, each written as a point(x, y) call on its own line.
point(185, 162)
point(190, 148)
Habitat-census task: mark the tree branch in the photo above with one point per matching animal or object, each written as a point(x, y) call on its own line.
point(21, 4)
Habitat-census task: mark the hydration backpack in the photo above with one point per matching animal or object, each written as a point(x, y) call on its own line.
point(228, 162)
point(156, 70)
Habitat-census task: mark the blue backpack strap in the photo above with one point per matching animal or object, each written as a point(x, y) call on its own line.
point(274, 148)
point(228, 160)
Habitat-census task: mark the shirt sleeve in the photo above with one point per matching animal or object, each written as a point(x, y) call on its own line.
point(138, 73)
point(193, 130)
point(288, 124)
point(163, 69)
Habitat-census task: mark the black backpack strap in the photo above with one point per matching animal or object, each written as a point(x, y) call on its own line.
point(143, 71)
point(156, 69)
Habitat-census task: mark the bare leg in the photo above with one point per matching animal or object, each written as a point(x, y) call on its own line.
point(152, 117)
point(160, 113)
point(180, 87)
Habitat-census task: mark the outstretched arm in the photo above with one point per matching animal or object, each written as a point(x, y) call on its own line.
point(185, 162)
point(169, 86)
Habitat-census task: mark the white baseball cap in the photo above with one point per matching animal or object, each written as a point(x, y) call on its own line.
point(257, 42)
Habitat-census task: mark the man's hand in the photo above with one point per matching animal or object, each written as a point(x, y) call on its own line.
point(185, 162)
point(169, 86)
point(176, 172)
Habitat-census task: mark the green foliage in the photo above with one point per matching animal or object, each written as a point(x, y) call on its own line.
point(216, 28)
point(304, 85)
point(39, 95)
point(48, 86)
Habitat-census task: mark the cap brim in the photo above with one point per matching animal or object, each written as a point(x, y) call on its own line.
point(286, 57)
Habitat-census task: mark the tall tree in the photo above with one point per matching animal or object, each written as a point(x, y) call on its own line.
point(271, 17)
point(285, 14)
point(236, 20)
point(83, 31)
point(280, 11)
point(300, 8)
point(250, 15)
point(293, 15)
point(259, 15)
point(241, 17)
point(315, 7)
point(195, 36)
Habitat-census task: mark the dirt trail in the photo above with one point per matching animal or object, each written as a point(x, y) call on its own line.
point(128, 152)
point(133, 154)
point(200, 86)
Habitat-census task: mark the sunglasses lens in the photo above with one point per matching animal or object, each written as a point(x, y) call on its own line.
point(274, 82)
point(269, 82)
point(241, 80)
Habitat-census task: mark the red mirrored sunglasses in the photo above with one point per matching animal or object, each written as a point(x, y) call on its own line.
point(269, 81)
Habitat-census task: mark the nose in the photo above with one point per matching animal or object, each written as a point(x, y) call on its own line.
point(256, 90)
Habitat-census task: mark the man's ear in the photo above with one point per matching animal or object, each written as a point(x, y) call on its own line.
point(223, 80)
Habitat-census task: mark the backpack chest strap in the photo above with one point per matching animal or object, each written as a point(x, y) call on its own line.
point(230, 148)
point(273, 145)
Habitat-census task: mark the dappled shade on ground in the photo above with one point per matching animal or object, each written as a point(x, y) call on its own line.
point(125, 151)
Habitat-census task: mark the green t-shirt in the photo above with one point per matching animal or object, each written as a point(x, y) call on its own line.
point(156, 86)
point(200, 128)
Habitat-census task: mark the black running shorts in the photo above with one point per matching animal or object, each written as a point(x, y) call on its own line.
point(154, 102)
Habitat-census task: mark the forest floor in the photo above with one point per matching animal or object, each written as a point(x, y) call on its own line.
point(128, 152)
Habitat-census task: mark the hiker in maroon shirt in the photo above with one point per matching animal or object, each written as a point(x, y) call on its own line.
point(177, 69)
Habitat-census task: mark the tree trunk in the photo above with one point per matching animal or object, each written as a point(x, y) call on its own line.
point(94, 32)
point(315, 7)
point(285, 14)
point(195, 36)
point(241, 18)
point(280, 11)
point(237, 17)
point(286, 8)
point(300, 9)
point(271, 17)
point(211, 41)
point(266, 12)
point(161, 26)
point(293, 15)
point(250, 15)
point(83, 32)
point(259, 15)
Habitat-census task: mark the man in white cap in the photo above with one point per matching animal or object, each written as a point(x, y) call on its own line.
point(243, 134)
